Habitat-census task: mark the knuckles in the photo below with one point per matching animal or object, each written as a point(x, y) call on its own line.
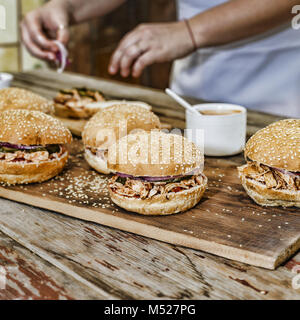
point(131, 51)
point(146, 30)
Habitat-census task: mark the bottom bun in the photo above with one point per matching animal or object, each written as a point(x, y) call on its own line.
point(23, 173)
point(96, 163)
point(161, 205)
point(270, 197)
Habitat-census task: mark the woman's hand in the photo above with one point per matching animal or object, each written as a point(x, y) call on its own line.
point(44, 24)
point(150, 43)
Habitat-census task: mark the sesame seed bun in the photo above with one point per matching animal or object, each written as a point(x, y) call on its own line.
point(16, 98)
point(277, 145)
point(161, 205)
point(269, 196)
point(154, 154)
point(98, 106)
point(18, 173)
point(111, 123)
point(32, 128)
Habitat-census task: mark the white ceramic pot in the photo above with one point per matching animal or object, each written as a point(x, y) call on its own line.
point(5, 80)
point(224, 135)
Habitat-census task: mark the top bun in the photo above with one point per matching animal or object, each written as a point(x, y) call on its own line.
point(154, 154)
point(32, 128)
point(277, 145)
point(110, 103)
point(16, 98)
point(112, 123)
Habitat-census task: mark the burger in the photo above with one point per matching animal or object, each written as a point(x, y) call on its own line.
point(32, 146)
point(16, 98)
point(111, 124)
point(76, 102)
point(271, 176)
point(156, 173)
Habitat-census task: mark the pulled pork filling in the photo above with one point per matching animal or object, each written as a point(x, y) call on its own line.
point(78, 97)
point(37, 154)
point(272, 177)
point(137, 188)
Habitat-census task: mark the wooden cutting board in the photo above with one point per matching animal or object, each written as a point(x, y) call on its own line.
point(226, 222)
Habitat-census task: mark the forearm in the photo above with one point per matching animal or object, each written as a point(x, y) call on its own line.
point(83, 10)
point(239, 19)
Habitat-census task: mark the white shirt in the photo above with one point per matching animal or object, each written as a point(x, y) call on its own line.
point(261, 73)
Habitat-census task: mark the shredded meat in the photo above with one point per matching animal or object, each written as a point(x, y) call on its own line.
point(72, 98)
point(21, 156)
point(272, 177)
point(143, 189)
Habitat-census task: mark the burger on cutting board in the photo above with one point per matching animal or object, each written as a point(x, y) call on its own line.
point(17, 98)
point(271, 176)
point(156, 173)
point(74, 103)
point(32, 146)
point(83, 103)
point(110, 124)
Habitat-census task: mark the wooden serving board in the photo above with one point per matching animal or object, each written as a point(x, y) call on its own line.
point(226, 222)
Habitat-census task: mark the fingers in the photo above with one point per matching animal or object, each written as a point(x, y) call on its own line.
point(134, 52)
point(32, 47)
point(34, 27)
point(130, 55)
point(142, 62)
point(128, 41)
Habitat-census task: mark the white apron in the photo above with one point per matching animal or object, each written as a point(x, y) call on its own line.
point(261, 73)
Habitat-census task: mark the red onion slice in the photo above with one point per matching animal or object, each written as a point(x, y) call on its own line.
point(155, 179)
point(62, 56)
point(147, 178)
point(18, 146)
point(287, 172)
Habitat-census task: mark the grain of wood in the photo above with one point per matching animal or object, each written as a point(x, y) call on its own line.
point(27, 276)
point(129, 266)
point(47, 83)
point(218, 224)
point(122, 264)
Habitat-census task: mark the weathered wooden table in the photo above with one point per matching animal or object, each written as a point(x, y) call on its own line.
point(51, 256)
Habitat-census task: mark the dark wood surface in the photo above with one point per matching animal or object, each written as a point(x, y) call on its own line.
point(219, 224)
point(48, 255)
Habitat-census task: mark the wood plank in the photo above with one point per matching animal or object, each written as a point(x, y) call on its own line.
point(143, 268)
point(27, 276)
point(130, 266)
point(47, 83)
point(220, 224)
